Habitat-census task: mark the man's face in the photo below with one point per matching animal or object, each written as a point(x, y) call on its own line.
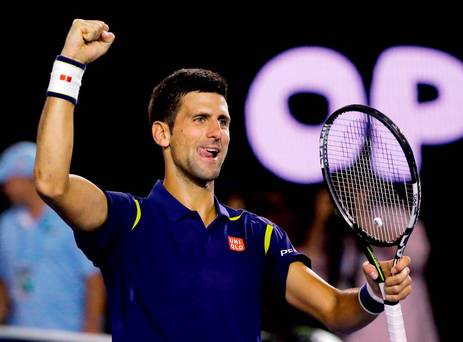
point(200, 137)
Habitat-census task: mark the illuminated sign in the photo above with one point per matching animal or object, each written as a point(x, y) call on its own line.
point(289, 148)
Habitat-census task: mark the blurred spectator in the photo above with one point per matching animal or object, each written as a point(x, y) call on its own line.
point(4, 304)
point(331, 247)
point(48, 280)
point(236, 201)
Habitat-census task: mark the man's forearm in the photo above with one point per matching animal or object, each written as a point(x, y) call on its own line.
point(54, 147)
point(339, 310)
point(349, 314)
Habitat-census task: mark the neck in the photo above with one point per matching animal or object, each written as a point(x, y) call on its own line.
point(194, 196)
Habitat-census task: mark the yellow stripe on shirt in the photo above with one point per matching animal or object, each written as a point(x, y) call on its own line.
point(138, 216)
point(268, 237)
point(234, 218)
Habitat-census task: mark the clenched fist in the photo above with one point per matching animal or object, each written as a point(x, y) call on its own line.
point(87, 40)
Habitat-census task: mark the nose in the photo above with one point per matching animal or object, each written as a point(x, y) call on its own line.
point(215, 130)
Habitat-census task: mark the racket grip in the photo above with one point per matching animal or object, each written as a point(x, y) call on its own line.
point(395, 323)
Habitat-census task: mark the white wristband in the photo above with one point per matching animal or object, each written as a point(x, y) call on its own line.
point(66, 78)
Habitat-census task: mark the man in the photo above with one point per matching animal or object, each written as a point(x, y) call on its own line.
point(47, 282)
point(178, 265)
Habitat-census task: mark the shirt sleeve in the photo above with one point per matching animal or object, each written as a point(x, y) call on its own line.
point(103, 244)
point(83, 264)
point(281, 254)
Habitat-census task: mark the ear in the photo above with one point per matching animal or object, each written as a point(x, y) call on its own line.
point(161, 133)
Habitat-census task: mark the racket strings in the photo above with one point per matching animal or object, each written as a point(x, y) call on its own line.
point(370, 175)
point(386, 190)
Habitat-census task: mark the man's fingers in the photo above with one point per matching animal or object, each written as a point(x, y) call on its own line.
point(396, 294)
point(107, 37)
point(401, 264)
point(398, 278)
point(370, 270)
point(398, 286)
point(92, 30)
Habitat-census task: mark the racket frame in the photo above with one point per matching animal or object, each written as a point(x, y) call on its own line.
point(401, 241)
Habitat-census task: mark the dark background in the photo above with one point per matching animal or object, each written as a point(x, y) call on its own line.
point(113, 145)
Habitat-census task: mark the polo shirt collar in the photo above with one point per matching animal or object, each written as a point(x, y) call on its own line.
point(221, 210)
point(174, 209)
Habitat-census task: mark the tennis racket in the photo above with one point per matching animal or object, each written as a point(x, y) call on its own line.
point(372, 177)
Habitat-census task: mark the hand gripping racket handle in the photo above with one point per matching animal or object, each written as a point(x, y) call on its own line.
point(394, 318)
point(395, 323)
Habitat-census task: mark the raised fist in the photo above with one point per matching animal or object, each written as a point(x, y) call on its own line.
point(87, 40)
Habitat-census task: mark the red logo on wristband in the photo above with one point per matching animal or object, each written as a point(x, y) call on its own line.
point(66, 78)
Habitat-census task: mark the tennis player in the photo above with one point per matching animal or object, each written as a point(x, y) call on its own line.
point(178, 265)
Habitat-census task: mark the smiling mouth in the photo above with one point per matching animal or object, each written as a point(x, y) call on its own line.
point(209, 152)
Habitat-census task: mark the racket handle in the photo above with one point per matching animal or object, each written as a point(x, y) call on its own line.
point(395, 323)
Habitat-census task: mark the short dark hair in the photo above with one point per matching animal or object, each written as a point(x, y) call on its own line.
point(166, 96)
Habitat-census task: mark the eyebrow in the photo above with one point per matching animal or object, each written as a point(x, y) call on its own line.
point(221, 116)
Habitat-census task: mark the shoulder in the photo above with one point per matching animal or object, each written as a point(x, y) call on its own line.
point(249, 218)
point(120, 197)
point(259, 226)
point(122, 203)
point(124, 209)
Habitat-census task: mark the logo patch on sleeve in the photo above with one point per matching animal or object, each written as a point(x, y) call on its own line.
point(236, 244)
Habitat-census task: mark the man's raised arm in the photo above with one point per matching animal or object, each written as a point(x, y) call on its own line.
point(79, 202)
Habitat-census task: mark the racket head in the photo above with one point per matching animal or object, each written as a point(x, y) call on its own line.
point(371, 174)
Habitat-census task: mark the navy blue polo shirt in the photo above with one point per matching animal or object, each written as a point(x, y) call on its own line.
point(168, 277)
